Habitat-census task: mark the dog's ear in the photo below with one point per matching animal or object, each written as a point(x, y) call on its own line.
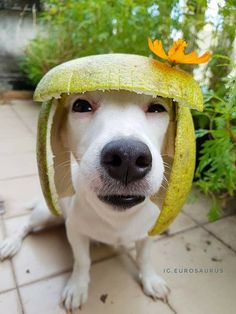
point(61, 151)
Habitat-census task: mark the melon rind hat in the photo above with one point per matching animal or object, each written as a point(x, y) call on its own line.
point(133, 73)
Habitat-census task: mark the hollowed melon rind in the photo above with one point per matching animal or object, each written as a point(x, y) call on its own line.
point(45, 158)
point(182, 172)
point(120, 71)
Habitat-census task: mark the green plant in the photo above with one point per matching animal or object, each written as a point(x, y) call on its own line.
point(72, 29)
point(216, 171)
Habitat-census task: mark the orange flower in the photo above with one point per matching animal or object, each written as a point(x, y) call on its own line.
point(176, 52)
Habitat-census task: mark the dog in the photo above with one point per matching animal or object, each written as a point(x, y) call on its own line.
point(116, 139)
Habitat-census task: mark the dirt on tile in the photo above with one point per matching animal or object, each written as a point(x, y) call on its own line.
point(103, 297)
point(216, 259)
point(187, 246)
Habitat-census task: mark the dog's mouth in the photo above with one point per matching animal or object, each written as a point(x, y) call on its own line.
point(122, 202)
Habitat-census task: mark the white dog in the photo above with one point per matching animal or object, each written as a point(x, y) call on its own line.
point(116, 138)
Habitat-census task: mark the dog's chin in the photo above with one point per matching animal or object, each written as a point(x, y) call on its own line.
point(122, 202)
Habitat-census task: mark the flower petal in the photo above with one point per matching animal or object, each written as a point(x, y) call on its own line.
point(203, 58)
point(180, 57)
point(192, 58)
point(176, 53)
point(178, 46)
point(157, 48)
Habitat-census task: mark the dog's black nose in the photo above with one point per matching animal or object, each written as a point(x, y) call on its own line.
point(126, 160)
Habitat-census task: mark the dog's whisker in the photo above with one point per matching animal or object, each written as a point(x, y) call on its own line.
point(62, 164)
point(65, 176)
point(166, 165)
point(158, 198)
point(165, 185)
point(165, 180)
point(115, 187)
point(78, 159)
point(65, 152)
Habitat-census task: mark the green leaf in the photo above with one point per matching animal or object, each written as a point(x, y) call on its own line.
point(201, 132)
point(215, 210)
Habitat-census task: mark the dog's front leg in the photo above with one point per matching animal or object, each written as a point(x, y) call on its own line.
point(153, 285)
point(75, 292)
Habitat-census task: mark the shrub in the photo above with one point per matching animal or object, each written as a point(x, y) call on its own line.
point(71, 29)
point(216, 171)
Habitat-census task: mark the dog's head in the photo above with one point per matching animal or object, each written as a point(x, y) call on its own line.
point(116, 138)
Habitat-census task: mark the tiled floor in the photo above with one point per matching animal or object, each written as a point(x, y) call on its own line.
point(32, 281)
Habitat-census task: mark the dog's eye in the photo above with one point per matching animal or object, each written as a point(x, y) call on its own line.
point(81, 105)
point(156, 108)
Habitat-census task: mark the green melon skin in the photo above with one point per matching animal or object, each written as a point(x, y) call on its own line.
point(120, 71)
point(137, 74)
point(45, 168)
point(182, 171)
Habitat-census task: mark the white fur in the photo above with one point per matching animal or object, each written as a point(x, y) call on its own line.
point(118, 114)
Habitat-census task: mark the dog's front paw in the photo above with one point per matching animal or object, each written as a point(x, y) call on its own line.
point(9, 247)
point(75, 294)
point(155, 287)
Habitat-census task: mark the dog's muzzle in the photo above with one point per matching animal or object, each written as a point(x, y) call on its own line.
point(126, 160)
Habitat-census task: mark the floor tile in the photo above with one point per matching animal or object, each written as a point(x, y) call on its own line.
point(28, 111)
point(17, 165)
point(46, 253)
point(200, 205)
point(42, 254)
point(198, 209)
point(9, 303)
point(17, 145)
point(114, 278)
point(225, 229)
point(47, 301)
point(6, 276)
point(230, 206)
point(11, 126)
point(26, 108)
point(100, 251)
point(6, 112)
point(7, 280)
point(181, 223)
point(197, 292)
point(31, 124)
point(18, 193)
